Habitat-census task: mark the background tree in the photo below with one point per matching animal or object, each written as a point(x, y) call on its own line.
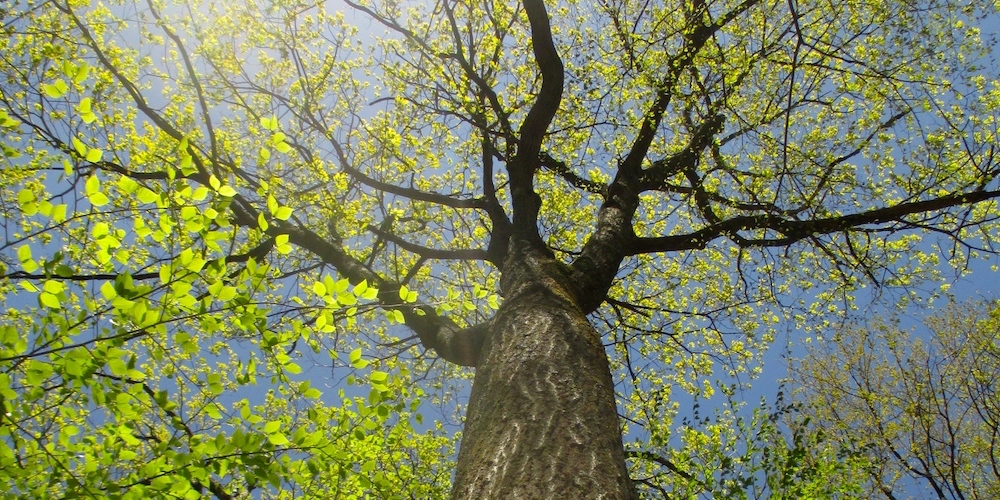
point(773, 451)
point(599, 206)
point(923, 406)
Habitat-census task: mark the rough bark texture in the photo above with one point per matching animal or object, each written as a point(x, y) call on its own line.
point(542, 421)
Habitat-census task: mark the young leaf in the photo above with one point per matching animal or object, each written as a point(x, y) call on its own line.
point(56, 89)
point(94, 155)
point(86, 112)
point(355, 358)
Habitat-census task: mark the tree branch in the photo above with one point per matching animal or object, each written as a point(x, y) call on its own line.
point(430, 253)
point(795, 230)
point(413, 194)
point(526, 202)
point(560, 168)
point(656, 176)
point(613, 238)
point(451, 342)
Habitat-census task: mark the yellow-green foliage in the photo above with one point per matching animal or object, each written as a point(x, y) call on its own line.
point(181, 180)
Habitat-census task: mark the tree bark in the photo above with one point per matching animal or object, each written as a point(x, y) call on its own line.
point(542, 421)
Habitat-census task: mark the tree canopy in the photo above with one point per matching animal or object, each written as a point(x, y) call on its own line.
point(923, 406)
point(246, 244)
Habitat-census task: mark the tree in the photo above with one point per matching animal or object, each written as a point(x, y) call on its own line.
point(923, 406)
point(591, 204)
point(773, 452)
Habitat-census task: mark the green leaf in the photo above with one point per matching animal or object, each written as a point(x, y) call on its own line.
point(277, 439)
point(98, 199)
point(53, 286)
point(81, 73)
point(347, 299)
point(79, 147)
point(272, 426)
point(94, 155)
point(355, 359)
point(7, 121)
point(92, 185)
point(24, 257)
point(108, 290)
point(283, 213)
point(117, 366)
point(186, 163)
point(25, 196)
point(86, 112)
point(281, 244)
point(146, 195)
point(212, 410)
point(73, 368)
point(36, 372)
point(395, 316)
point(269, 122)
point(49, 300)
point(56, 89)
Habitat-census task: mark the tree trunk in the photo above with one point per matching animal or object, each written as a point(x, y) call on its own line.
point(542, 421)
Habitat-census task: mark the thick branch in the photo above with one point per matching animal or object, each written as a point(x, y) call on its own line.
point(562, 170)
point(792, 231)
point(451, 342)
point(500, 232)
point(536, 123)
point(413, 194)
point(656, 176)
point(612, 239)
point(524, 164)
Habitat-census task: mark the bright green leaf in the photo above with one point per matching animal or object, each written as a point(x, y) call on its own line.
point(94, 155)
point(283, 213)
point(56, 89)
